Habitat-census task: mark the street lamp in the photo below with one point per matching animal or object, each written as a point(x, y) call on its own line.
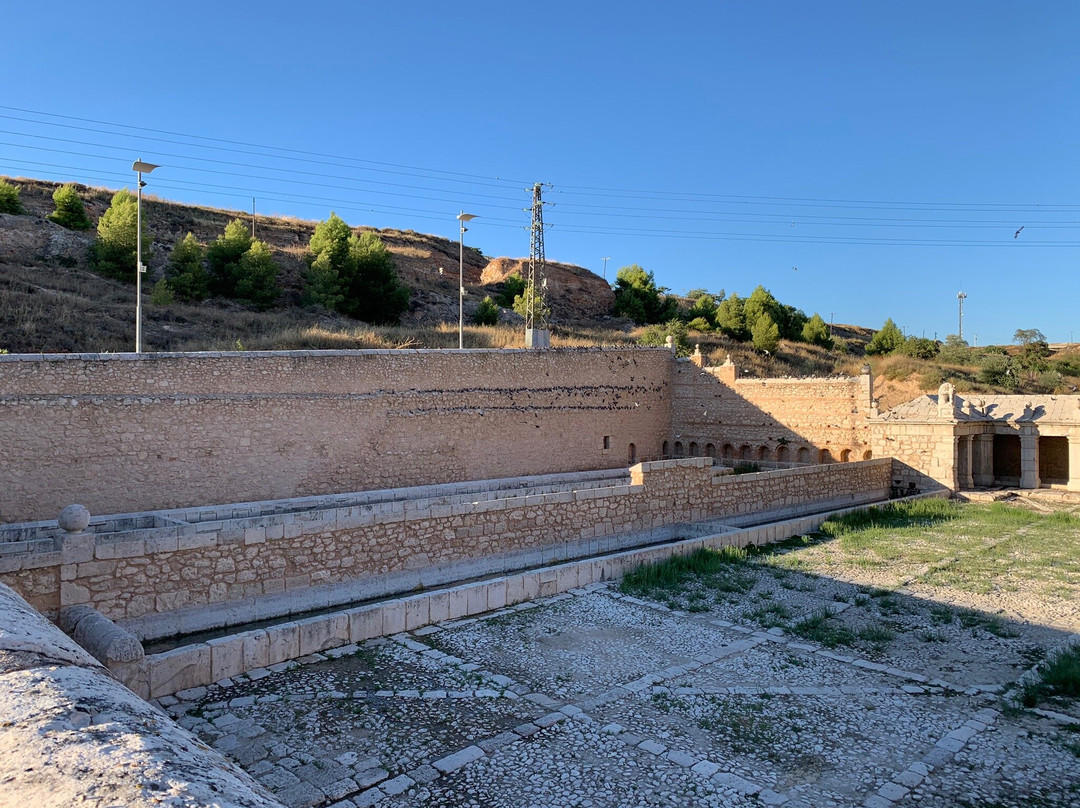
point(605, 260)
point(462, 217)
point(140, 168)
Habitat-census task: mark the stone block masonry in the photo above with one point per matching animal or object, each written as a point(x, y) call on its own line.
point(143, 432)
point(771, 420)
point(191, 576)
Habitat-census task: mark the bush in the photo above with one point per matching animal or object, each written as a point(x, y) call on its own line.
point(223, 258)
point(700, 324)
point(185, 273)
point(999, 370)
point(765, 333)
point(918, 348)
point(731, 318)
point(161, 294)
point(354, 274)
point(656, 336)
point(954, 351)
point(487, 313)
point(513, 286)
point(638, 297)
point(257, 281)
point(885, 341)
point(9, 198)
point(539, 310)
point(69, 210)
point(113, 251)
point(816, 332)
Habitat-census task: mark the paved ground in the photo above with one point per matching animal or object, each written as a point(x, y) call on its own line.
point(599, 699)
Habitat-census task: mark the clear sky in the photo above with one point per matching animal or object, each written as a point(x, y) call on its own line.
point(863, 160)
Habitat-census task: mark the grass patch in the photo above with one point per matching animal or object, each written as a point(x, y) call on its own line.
point(1059, 679)
point(823, 629)
point(692, 582)
point(770, 616)
point(877, 635)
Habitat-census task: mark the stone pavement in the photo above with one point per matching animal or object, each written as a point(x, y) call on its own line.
point(594, 698)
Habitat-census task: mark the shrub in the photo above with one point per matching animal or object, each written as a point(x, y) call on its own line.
point(885, 341)
point(354, 274)
point(816, 332)
point(69, 210)
point(9, 198)
point(513, 285)
point(223, 258)
point(918, 348)
point(161, 294)
point(731, 318)
point(257, 279)
point(638, 297)
point(539, 310)
point(113, 251)
point(765, 333)
point(185, 273)
point(656, 336)
point(954, 351)
point(487, 313)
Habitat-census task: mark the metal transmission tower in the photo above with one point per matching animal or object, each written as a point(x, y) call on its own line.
point(537, 334)
point(960, 297)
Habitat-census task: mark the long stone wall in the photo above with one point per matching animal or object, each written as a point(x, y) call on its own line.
point(132, 433)
point(166, 576)
point(773, 420)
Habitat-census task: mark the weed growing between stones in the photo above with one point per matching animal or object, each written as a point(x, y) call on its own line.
point(692, 582)
point(821, 628)
point(1059, 680)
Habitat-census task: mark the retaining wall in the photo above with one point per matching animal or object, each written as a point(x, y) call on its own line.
point(172, 577)
point(203, 663)
point(127, 432)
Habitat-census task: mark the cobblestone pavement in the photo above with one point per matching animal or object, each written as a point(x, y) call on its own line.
point(594, 698)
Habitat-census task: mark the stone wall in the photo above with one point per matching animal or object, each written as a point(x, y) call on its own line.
point(773, 420)
point(132, 433)
point(232, 571)
point(923, 452)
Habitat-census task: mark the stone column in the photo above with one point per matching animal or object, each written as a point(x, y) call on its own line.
point(963, 462)
point(1074, 459)
point(1029, 457)
point(983, 457)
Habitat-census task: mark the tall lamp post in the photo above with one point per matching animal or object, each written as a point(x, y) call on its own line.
point(462, 218)
point(605, 260)
point(140, 168)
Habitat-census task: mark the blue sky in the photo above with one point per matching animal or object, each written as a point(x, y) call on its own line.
point(889, 151)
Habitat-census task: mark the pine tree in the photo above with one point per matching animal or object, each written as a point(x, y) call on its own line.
point(113, 251)
point(69, 210)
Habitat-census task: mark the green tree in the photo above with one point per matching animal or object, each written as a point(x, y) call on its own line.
point(513, 285)
point(999, 370)
point(521, 305)
point(885, 341)
point(954, 351)
point(704, 308)
point(731, 318)
point(223, 258)
point(185, 273)
point(638, 297)
point(1034, 355)
point(487, 313)
point(700, 324)
point(69, 210)
point(354, 274)
point(765, 333)
point(761, 301)
point(9, 198)
point(257, 277)
point(1022, 336)
point(816, 332)
point(919, 348)
point(161, 294)
point(113, 251)
point(791, 322)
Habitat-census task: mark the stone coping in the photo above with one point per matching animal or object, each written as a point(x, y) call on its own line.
point(205, 663)
point(424, 497)
point(158, 355)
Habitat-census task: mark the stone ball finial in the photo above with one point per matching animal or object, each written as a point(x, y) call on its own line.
point(74, 518)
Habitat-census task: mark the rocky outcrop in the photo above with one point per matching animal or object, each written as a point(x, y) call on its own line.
point(72, 735)
point(573, 293)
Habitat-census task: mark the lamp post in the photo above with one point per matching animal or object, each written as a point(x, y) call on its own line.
point(462, 218)
point(140, 168)
point(605, 260)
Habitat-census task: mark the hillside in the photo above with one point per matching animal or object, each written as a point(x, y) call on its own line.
point(50, 300)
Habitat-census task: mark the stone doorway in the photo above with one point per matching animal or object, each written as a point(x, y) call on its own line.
point(1054, 460)
point(1007, 460)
